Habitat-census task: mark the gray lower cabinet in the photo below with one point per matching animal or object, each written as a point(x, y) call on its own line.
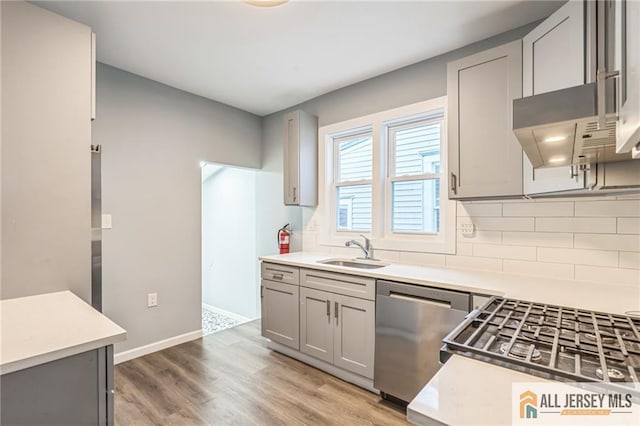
point(316, 323)
point(338, 329)
point(76, 390)
point(280, 313)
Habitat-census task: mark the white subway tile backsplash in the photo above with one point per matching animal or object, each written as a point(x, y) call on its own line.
point(578, 256)
point(629, 225)
point(386, 255)
point(478, 210)
point(539, 269)
point(587, 239)
point(422, 259)
point(492, 237)
point(618, 208)
point(538, 209)
point(503, 223)
point(504, 252)
point(607, 275)
point(464, 249)
point(608, 242)
point(576, 224)
point(538, 239)
point(477, 263)
point(629, 260)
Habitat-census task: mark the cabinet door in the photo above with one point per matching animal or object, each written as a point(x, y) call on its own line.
point(316, 324)
point(280, 313)
point(560, 39)
point(291, 158)
point(485, 158)
point(628, 62)
point(354, 334)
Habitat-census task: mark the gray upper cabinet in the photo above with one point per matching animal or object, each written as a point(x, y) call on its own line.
point(560, 40)
point(300, 159)
point(485, 158)
point(627, 58)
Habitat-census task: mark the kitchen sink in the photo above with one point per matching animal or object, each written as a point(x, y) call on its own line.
point(354, 263)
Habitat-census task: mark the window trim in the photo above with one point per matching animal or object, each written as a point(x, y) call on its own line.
point(325, 215)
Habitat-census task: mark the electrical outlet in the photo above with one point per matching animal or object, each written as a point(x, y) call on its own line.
point(467, 229)
point(152, 300)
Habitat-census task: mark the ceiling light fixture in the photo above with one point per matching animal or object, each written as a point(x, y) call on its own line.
point(555, 139)
point(557, 159)
point(265, 3)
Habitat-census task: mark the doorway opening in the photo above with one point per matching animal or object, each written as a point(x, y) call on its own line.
point(230, 289)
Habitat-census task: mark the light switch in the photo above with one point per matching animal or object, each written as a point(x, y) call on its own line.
point(106, 221)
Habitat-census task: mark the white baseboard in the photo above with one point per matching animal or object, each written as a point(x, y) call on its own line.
point(347, 376)
point(236, 317)
point(156, 346)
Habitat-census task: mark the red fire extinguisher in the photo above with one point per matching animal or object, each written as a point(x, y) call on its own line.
point(283, 239)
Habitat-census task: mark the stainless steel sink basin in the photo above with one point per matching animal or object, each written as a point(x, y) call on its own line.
point(354, 263)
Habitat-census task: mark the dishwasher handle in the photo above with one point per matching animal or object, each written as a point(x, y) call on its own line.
point(421, 293)
point(417, 299)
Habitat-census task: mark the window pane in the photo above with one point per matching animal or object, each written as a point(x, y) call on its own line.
point(355, 158)
point(417, 149)
point(416, 206)
point(353, 208)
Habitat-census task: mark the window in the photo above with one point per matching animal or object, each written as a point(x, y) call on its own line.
point(353, 176)
point(414, 175)
point(382, 177)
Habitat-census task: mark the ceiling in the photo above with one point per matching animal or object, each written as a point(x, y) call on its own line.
point(263, 60)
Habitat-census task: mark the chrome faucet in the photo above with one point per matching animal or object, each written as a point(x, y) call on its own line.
point(367, 248)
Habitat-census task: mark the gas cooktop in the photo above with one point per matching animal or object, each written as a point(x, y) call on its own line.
point(550, 341)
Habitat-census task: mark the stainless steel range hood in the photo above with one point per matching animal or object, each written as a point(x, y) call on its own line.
point(577, 125)
point(560, 128)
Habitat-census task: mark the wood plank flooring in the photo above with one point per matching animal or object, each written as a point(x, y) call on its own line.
point(232, 378)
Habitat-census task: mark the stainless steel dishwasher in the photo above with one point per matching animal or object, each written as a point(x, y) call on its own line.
point(411, 321)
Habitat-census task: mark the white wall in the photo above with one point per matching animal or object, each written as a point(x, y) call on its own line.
point(154, 138)
point(229, 280)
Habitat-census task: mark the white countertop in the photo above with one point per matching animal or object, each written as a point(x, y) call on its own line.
point(604, 297)
point(470, 392)
point(467, 392)
point(46, 327)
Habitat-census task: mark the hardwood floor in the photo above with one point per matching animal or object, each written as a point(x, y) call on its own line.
point(232, 378)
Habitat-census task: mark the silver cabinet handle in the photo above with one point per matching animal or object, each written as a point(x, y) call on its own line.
point(454, 183)
point(294, 194)
point(336, 307)
point(329, 309)
point(278, 276)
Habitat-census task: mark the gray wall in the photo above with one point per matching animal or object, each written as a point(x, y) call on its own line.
point(418, 82)
point(46, 135)
point(153, 139)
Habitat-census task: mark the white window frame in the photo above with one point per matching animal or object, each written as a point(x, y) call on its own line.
point(380, 234)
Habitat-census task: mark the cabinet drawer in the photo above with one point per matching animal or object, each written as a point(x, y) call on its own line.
point(349, 285)
point(275, 272)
